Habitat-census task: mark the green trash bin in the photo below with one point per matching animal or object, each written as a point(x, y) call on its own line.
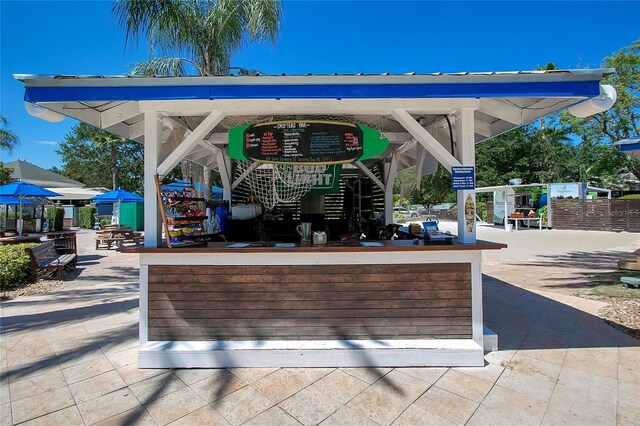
point(132, 215)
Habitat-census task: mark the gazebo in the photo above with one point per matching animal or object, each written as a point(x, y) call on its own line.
point(427, 119)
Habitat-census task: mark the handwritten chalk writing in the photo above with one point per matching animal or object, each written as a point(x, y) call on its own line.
point(303, 142)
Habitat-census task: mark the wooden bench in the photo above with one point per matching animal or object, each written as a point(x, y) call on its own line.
point(45, 257)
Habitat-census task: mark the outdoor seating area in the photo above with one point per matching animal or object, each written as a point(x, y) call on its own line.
point(47, 259)
point(116, 235)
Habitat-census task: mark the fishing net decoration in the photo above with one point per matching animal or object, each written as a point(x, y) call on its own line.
point(285, 183)
point(195, 172)
point(279, 183)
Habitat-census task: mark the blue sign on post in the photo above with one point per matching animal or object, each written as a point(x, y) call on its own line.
point(463, 177)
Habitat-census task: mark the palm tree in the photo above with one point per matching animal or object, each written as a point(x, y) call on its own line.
point(8, 139)
point(199, 34)
point(108, 141)
point(549, 67)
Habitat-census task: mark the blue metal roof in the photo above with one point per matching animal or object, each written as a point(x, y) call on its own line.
point(530, 84)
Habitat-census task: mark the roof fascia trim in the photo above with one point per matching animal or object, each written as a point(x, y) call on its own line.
point(589, 88)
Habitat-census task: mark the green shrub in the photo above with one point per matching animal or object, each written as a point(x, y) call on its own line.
point(55, 217)
point(85, 217)
point(15, 266)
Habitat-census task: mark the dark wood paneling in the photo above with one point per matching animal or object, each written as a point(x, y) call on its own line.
point(596, 215)
point(310, 302)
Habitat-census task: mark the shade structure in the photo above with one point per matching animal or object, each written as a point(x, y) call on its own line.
point(118, 195)
point(14, 201)
point(24, 191)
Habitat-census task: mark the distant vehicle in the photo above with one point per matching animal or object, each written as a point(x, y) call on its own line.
point(405, 212)
point(443, 206)
point(418, 208)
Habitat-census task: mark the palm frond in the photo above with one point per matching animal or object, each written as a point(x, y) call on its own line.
point(8, 140)
point(164, 67)
point(208, 32)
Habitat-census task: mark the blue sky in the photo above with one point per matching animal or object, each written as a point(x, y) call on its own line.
point(82, 38)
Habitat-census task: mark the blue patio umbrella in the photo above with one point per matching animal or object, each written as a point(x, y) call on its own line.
point(10, 200)
point(25, 191)
point(216, 192)
point(116, 197)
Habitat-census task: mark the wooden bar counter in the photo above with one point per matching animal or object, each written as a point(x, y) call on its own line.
point(399, 304)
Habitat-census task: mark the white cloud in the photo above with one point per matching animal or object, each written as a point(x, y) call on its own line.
point(46, 143)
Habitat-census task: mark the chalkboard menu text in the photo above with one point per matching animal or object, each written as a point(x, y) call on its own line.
point(303, 142)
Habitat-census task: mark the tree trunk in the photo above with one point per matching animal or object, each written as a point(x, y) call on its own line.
point(113, 165)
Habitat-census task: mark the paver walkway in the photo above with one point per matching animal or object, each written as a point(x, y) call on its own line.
point(69, 358)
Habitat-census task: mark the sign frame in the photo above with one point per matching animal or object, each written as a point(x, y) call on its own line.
point(463, 178)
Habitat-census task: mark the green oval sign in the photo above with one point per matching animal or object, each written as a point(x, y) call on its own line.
point(305, 142)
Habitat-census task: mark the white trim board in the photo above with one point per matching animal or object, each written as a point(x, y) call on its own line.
point(321, 353)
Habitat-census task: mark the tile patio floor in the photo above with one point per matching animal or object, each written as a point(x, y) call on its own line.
point(69, 358)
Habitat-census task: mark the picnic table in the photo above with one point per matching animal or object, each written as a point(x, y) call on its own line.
point(20, 239)
point(117, 235)
point(8, 232)
point(526, 220)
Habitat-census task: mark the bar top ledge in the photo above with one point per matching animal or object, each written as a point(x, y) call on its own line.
point(397, 245)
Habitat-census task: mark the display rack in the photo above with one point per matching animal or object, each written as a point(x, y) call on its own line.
point(183, 215)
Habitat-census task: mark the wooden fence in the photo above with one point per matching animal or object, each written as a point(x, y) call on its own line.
point(596, 215)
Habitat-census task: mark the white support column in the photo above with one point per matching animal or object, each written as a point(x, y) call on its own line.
point(224, 167)
point(390, 172)
point(152, 148)
point(466, 154)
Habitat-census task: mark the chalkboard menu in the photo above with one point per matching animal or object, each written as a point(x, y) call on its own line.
point(303, 142)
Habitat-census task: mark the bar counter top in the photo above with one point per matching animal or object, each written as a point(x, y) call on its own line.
point(395, 245)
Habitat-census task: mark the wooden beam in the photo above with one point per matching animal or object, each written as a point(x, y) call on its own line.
point(244, 174)
point(368, 172)
point(425, 139)
point(136, 130)
point(190, 141)
point(482, 127)
point(118, 114)
point(501, 110)
point(224, 167)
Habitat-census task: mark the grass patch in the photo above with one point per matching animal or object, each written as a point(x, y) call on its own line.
point(608, 285)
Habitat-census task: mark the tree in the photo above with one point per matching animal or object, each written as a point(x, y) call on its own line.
point(599, 131)
point(110, 142)
point(8, 139)
point(5, 174)
point(202, 35)
point(90, 155)
point(533, 154)
point(434, 188)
